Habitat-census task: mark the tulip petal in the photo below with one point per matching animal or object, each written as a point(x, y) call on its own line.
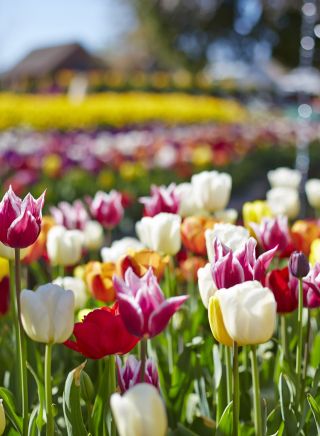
point(10, 208)
point(161, 316)
point(263, 263)
point(227, 272)
point(23, 231)
point(131, 314)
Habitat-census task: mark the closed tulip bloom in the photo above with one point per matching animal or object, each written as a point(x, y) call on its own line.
point(193, 233)
point(47, 313)
point(20, 220)
point(77, 286)
point(98, 277)
point(160, 233)
point(93, 235)
point(139, 412)
point(244, 313)
point(212, 190)
point(298, 264)
point(278, 281)
point(162, 199)
point(120, 248)
point(272, 232)
point(129, 373)
point(2, 418)
point(313, 192)
point(188, 205)
point(284, 201)
point(283, 177)
point(107, 209)
point(71, 216)
point(101, 333)
point(233, 237)
point(64, 247)
point(142, 305)
point(254, 212)
point(207, 287)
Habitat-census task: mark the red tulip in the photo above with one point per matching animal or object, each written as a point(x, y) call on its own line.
point(101, 333)
point(20, 220)
point(279, 282)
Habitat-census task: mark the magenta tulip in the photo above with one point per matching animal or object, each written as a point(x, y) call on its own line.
point(162, 199)
point(20, 220)
point(71, 216)
point(129, 373)
point(107, 209)
point(274, 231)
point(311, 287)
point(142, 305)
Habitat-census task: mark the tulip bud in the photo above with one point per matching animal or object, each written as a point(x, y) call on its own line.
point(140, 411)
point(2, 418)
point(298, 264)
point(86, 387)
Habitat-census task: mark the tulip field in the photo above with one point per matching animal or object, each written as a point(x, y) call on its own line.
point(134, 301)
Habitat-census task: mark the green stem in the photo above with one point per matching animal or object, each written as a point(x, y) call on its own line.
point(236, 397)
point(48, 391)
point(112, 389)
point(300, 337)
point(227, 356)
point(109, 237)
point(143, 357)
point(21, 340)
point(306, 348)
point(256, 392)
point(284, 342)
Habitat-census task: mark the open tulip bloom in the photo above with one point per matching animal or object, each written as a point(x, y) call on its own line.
point(143, 307)
point(129, 373)
point(163, 199)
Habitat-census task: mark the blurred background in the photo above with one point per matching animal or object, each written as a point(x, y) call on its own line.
point(103, 94)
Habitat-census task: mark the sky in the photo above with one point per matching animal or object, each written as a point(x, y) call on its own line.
point(29, 24)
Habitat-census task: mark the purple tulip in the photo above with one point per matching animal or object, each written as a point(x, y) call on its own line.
point(229, 269)
point(20, 220)
point(107, 209)
point(129, 373)
point(72, 216)
point(311, 287)
point(298, 264)
point(162, 199)
point(142, 305)
point(273, 231)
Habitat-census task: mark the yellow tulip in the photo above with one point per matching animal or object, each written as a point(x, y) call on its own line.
point(315, 251)
point(253, 212)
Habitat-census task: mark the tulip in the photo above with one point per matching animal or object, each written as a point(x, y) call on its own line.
point(107, 209)
point(71, 216)
point(93, 235)
point(141, 261)
point(207, 287)
point(315, 251)
point(78, 288)
point(98, 277)
point(298, 265)
point(311, 287)
point(272, 232)
point(226, 216)
point(212, 190)
point(284, 201)
point(254, 212)
point(193, 233)
point(313, 193)
point(2, 418)
point(303, 233)
point(20, 220)
point(64, 246)
point(160, 233)
point(129, 374)
point(47, 313)
point(101, 333)
point(233, 237)
point(142, 305)
point(120, 248)
point(231, 268)
point(187, 200)
point(278, 280)
point(139, 412)
point(244, 313)
point(189, 268)
point(38, 248)
point(283, 177)
point(163, 199)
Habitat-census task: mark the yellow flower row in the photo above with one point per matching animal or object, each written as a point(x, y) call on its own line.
point(113, 109)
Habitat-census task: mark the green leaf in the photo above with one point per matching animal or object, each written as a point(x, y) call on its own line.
point(41, 394)
point(33, 429)
point(99, 410)
point(286, 393)
point(71, 404)
point(225, 424)
point(10, 410)
point(315, 411)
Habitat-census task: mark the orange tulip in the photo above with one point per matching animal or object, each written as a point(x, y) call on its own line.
point(192, 233)
point(189, 267)
point(38, 248)
point(141, 261)
point(98, 277)
point(304, 232)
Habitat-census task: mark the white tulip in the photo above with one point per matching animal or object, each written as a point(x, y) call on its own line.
point(160, 233)
point(139, 412)
point(207, 287)
point(77, 286)
point(230, 235)
point(64, 246)
point(47, 313)
point(93, 235)
point(2, 418)
point(284, 178)
point(227, 216)
point(212, 190)
point(313, 192)
point(284, 201)
point(248, 311)
point(188, 204)
point(8, 252)
point(119, 248)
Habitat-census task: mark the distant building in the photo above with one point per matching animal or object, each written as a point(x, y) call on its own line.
point(51, 67)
